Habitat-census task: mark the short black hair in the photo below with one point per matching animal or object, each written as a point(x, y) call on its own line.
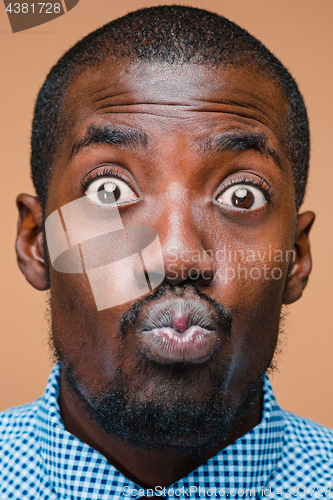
point(176, 35)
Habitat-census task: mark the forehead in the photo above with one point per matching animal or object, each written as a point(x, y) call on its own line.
point(182, 96)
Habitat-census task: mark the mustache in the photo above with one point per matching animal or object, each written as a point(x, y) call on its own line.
point(198, 313)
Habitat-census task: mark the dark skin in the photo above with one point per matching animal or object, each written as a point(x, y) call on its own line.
point(178, 184)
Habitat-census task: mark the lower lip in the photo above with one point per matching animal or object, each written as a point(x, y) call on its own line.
point(165, 345)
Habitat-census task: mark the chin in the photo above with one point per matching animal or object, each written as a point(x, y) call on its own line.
point(176, 414)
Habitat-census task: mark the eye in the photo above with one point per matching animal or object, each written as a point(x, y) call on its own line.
point(110, 191)
point(243, 196)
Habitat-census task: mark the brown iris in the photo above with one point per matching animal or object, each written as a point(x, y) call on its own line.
point(242, 198)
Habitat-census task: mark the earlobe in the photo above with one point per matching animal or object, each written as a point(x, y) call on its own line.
point(30, 242)
point(301, 264)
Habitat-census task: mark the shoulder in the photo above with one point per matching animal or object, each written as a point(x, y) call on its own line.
point(307, 455)
point(17, 421)
point(21, 470)
point(308, 434)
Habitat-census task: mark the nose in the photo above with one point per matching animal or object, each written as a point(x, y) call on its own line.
point(180, 231)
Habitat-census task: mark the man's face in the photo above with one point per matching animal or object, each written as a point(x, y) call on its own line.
point(209, 171)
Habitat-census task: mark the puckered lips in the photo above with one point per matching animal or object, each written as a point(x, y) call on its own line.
point(178, 330)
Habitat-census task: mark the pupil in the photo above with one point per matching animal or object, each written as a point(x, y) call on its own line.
point(109, 192)
point(243, 198)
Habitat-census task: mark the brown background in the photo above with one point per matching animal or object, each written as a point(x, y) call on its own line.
point(300, 33)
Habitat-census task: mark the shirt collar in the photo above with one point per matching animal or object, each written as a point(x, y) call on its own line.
point(76, 469)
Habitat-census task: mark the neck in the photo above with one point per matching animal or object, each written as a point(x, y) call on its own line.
point(146, 467)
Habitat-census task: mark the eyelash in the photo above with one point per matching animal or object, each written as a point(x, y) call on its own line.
point(106, 172)
point(258, 182)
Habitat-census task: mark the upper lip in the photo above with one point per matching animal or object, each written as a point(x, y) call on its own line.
point(191, 311)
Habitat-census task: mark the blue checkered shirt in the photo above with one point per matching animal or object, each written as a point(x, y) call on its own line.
point(283, 457)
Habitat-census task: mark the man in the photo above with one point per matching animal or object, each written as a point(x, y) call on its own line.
point(169, 154)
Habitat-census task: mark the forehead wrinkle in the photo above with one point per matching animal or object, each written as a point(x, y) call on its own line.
point(182, 110)
point(100, 99)
point(146, 95)
point(169, 112)
point(239, 104)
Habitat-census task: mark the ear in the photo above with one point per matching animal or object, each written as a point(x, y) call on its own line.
point(30, 241)
point(301, 264)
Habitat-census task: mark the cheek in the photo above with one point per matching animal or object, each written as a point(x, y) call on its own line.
point(252, 264)
point(85, 338)
point(245, 271)
point(251, 284)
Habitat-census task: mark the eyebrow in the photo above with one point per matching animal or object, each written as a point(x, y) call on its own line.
point(242, 141)
point(125, 138)
point(131, 138)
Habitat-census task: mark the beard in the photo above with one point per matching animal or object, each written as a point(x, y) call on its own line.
point(186, 425)
point(176, 415)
